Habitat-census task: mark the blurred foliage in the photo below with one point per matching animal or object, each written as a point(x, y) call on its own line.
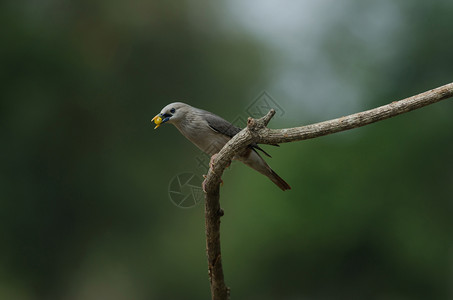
point(84, 207)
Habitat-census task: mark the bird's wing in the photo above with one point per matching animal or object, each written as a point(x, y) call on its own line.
point(220, 125)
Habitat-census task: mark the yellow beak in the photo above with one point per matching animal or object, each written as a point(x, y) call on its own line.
point(157, 120)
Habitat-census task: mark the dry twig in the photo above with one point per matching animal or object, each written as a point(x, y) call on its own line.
point(257, 132)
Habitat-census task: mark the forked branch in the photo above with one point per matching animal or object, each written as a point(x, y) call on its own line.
point(257, 132)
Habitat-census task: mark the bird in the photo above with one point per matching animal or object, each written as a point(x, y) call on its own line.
point(210, 133)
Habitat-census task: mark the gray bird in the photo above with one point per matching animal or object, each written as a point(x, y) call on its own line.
point(210, 133)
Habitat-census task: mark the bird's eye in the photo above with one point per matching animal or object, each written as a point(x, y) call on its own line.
point(172, 110)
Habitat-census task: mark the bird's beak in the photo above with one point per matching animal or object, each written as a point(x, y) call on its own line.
point(158, 120)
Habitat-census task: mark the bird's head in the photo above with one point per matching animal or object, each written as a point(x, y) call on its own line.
point(172, 113)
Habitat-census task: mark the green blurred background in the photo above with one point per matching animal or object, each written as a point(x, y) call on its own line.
point(84, 208)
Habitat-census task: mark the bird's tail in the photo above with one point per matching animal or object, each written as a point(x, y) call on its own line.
point(283, 185)
point(256, 162)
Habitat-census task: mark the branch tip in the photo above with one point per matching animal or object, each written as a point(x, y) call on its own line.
point(266, 119)
point(250, 123)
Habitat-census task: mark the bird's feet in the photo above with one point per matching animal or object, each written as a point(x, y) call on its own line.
point(203, 184)
point(211, 161)
point(211, 166)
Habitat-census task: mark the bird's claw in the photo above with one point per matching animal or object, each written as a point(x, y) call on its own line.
point(203, 184)
point(211, 166)
point(211, 161)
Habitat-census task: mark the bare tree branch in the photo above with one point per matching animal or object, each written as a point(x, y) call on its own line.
point(213, 212)
point(257, 132)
